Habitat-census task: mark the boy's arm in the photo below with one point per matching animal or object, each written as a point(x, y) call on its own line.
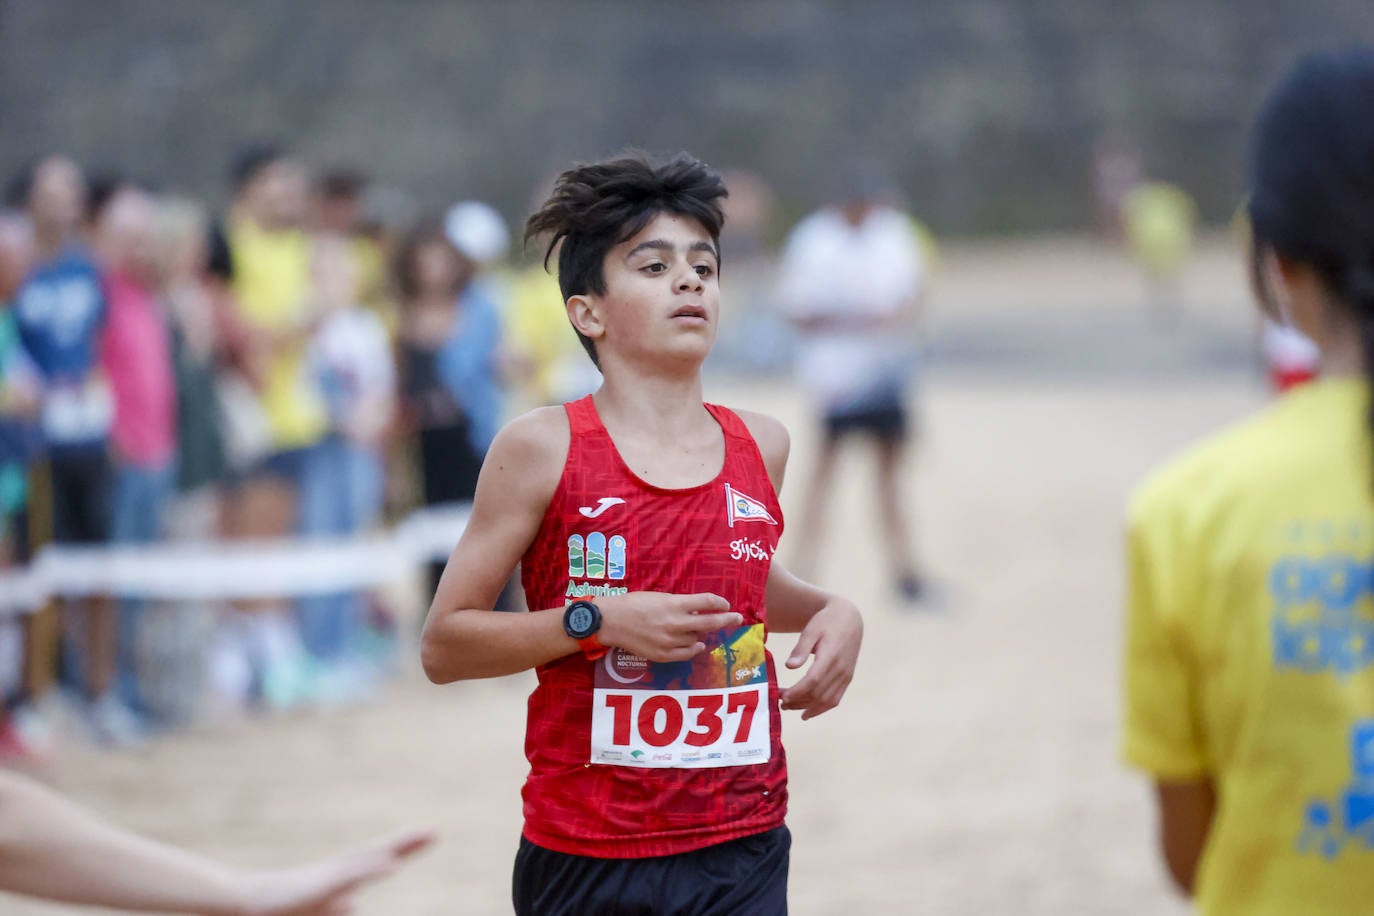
point(463, 638)
point(831, 627)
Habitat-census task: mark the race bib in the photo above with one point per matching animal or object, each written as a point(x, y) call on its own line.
point(711, 711)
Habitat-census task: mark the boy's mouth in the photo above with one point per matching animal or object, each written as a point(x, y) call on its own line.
point(690, 311)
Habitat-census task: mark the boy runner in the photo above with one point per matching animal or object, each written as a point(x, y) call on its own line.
point(645, 523)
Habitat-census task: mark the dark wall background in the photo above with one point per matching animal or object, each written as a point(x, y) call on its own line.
point(985, 110)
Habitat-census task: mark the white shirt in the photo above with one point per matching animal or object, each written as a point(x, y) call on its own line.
point(838, 272)
point(352, 354)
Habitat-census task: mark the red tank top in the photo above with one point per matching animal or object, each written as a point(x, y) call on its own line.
point(630, 758)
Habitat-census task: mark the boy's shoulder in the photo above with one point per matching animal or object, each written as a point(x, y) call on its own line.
point(525, 461)
point(540, 434)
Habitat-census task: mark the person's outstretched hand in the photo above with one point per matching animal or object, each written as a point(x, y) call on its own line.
point(326, 887)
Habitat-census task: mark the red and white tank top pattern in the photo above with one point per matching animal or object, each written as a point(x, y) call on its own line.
point(630, 758)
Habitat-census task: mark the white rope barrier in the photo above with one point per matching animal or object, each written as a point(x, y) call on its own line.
point(223, 570)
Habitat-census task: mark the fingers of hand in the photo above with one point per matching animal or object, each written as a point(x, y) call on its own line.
point(681, 654)
point(705, 603)
point(705, 623)
point(412, 842)
point(806, 644)
point(819, 690)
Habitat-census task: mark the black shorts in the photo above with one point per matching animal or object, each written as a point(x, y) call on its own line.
point(82, 491)
point(748, 875)
point(887, 423)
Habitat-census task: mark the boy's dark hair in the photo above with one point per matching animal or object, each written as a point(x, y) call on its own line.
point(1312, 181)
point(595, 207)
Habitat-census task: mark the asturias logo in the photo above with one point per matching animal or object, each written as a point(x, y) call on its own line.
point(596, 556)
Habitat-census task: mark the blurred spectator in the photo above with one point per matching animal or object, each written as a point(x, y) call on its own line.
point(176, 635)
point(545, 363)
point(1116, 171)
point(438, 310)
point(62, 312)
point(472, 357)
point(352, 362)
point(262, 254)
point(23, 735)
point(753, 337)
point(1159, 220)
point(338, 211)
point(136, 356)
point(196, 348)
point(851, 282)
point(20, 385)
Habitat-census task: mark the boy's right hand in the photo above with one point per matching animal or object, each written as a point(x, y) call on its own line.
point(663, 627)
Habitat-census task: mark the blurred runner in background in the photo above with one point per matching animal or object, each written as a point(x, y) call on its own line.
point(852, 280)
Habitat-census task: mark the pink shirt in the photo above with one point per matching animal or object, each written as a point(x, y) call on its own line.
point(137, 356)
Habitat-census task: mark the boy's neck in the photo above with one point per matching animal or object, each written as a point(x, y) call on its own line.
point(657, 405)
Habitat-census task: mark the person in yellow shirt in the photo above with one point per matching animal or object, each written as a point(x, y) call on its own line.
point(1249, 668)
point(1159, 219)
point(549, 367)
point(261, 259)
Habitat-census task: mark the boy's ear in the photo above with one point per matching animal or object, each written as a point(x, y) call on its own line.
point(585, 315)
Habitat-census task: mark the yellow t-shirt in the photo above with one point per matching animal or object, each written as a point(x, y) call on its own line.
point(271, 281)
point(1250, 651)
point(1159, 220)
point(537, 330)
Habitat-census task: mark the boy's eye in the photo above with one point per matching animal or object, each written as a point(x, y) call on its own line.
point(655, 267)
point(704, 270)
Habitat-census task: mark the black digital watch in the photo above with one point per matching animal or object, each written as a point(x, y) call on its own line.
point(581, 621)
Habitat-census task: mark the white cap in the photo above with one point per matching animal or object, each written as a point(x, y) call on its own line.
point(477, 230)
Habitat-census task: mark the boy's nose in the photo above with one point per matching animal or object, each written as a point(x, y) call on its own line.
point(690, 280)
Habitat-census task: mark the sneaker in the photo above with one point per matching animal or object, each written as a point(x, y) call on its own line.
point(918, 593)
point(911, 588)
point(33, 729)
point(112, 724)
point(347, 682)
point(286, 684)
point(15, 751)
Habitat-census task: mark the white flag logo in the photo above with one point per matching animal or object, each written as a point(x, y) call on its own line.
point(741, 508)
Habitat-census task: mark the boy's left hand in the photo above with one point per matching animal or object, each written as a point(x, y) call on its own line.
point(832, 636)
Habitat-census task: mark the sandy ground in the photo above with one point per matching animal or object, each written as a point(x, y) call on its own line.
point(972, 768)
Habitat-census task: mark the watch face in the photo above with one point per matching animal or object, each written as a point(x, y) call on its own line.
point(580, 619)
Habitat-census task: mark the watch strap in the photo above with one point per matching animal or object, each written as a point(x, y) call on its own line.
point(592, 647)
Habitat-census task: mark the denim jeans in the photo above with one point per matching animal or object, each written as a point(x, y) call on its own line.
point(340, 495)
point(138, 504)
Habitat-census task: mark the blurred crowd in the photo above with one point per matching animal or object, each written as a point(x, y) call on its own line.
point(321, 357)
point(316, 356)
